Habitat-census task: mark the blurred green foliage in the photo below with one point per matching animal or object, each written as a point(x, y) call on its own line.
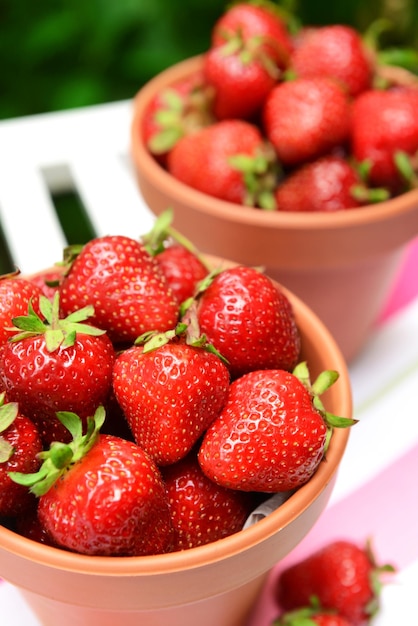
point(60, 54)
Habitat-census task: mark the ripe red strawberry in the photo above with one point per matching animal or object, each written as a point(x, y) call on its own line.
point(20, 444)
point(48, 281)
point(117, 276)
point(260, 23)
point(29, 526)
point(329, 183)
point(169, 396)
point(342, 576)
point(201, 511)
point(250, 47)
point(271, 435)
point(306, 118)
point(183, 270)
point(249, 320)
point(311, 617)
point(179, 260)
point(229, 160)
point(101, 495)
point(15, 294)
point(394, 130)
point(336, 51)
point(62, 364)
point(176, 111)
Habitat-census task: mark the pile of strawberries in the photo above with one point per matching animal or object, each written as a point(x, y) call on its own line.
point(148, 403)
point(289, 119)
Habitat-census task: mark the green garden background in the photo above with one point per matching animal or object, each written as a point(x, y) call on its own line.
point(61, 54)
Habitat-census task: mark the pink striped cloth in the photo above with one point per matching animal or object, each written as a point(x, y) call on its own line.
point(375, 496)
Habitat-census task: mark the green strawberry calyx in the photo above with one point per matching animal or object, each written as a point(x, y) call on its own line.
point(61, 456)
point(304, 615)
point(323, 382)
point(260, 173)
point(8, 414)
point(57, 331)
point(376, 575)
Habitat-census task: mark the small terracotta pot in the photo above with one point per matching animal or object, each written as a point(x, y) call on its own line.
point(214, 584)
point(341, 264)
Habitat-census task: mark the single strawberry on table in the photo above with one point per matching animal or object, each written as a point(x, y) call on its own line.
point(125, 285)
point(100, 494)
point(306, 118)
point(202, 511)
point(229, 160)
point(20, 443)
point(56, 364)
point(342, 576)
point(249, 320)
point(272, 433)
point(169, 395)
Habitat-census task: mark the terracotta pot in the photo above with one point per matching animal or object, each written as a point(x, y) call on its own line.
point(341, 264)
point(213, 584)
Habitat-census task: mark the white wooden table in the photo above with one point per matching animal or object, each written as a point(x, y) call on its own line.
point(87, 151)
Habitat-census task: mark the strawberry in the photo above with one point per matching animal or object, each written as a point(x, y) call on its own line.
point(259, 23)
point(202, 511)
point(174, 112)
point(48, 280)
point(249, 320)
point(15, 295)
point(20, 444)
point(271, 434)
point(342, 576)
point(59, 364)
point(100, 495)
point(336, 51)
point(311, 617)
point(29, 526)
point(329, 183)
point(250, 46)
point(394, 131)
point(169, 395)
point(179, 260)
point(125, 285)
point(229, 160)
point(306, 118)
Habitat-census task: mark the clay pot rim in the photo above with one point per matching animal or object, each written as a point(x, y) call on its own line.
point(234, 544)
point(159, 177)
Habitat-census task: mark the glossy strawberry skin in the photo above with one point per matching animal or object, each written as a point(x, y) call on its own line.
point(306, 118)
point(337, 574)
point(202, 160)
point(169, 396)
point(250, 321)
point(325, 184)
point(75, 378)
point(395, 127)
point(123, 282)
point(251, 22)
point(202, 512)
point(268, 437)
point(112, 503)
point(23, 436)
point(240, 88)
point(15, 294)
point(183, 270)
point(336, 51)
